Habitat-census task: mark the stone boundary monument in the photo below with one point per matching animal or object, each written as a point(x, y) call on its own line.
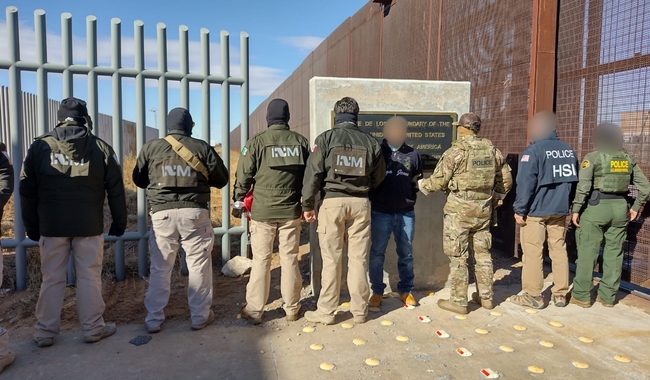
point(430, 107)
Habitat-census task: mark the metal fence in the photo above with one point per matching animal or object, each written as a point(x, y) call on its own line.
point(102, 126)
point(15, 66)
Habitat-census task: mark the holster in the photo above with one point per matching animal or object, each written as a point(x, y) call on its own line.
point(594, 198)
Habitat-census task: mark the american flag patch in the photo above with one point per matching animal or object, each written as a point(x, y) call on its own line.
point(525, 158)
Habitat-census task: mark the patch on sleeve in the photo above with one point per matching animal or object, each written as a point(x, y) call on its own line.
point(585, 164)
point(525, 158)
point(313, 148)
point(244, 151)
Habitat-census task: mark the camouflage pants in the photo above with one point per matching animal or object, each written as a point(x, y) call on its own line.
point(462, 234)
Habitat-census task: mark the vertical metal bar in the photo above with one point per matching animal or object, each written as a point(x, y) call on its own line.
point(185, 66)
point(205, 85)
point(16, 127)
point(116, 63)
point(162, 81)
point(91, 52)
point(244, 62)
point(66, 40)
point(41, 75)
point(140, 132)
point(225, 143)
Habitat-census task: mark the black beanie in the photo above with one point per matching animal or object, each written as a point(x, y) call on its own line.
point(278, 112)
point(72, 108)
point(180, 119)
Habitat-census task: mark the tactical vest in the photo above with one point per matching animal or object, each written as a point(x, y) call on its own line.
point(614, 173)
point(557, 163)
point(479, 171)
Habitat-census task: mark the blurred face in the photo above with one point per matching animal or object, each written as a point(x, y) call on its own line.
point(395, 133)
point(541, 125)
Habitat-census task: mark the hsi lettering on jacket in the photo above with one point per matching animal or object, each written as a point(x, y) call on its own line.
point(61, 159)
point(564, 170)
point(282, 151)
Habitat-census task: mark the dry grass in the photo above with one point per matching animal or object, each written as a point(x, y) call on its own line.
point(130, 248)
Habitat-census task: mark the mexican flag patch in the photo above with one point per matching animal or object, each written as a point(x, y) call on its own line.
point(313, 148)
point(244, 151)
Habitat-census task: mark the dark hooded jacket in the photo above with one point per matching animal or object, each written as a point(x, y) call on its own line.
point(273, 162)
point(65, 178)
point(6, 181)
point(170, 182)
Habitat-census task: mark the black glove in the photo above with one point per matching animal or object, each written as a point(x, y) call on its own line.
point(34, 235)
point(236, 212)
point(115, 231)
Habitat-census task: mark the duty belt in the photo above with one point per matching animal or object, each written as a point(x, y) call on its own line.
point(613, 196)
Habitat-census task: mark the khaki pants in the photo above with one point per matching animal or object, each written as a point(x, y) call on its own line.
point(4, 334)
point(262, 239)
point(341, 219)
point(88, 255)
point(537, 230)
point(191, 229)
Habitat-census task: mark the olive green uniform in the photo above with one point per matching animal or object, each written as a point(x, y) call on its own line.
point(273, 164)
point(345, 164)
point(601, 199)
point(471, 171)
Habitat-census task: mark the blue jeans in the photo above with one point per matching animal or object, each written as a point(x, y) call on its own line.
point(402, 226)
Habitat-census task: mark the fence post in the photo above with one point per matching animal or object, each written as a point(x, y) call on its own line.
point(244, 60)
point(225, 144)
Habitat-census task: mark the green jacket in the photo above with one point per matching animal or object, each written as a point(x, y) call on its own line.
point(345, 162)
point(273, 162)
point(592, 165)
point(64, 180)
point(170, 182)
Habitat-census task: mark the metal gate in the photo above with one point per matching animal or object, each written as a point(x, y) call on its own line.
point(117, 72)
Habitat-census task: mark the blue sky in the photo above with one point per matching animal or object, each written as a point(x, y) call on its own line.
point(282, 34)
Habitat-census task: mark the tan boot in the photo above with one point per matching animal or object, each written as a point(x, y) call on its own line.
point(577, 302)
point(7, 361)
point(206, 323)
point(315, 317)
point(485, 303)
point(254, 321)
point(600, 300)
point(408, 299)
point(375, 300)
point(450, 306)
point(108, 330)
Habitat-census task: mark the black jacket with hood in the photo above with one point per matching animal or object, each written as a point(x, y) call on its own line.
point(170, 182)
point(65, 178)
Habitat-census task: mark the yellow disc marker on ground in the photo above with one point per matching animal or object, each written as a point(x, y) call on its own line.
point(580, 365)
point(546, 343)
point(359, 342)
point(372, 362)
point(531, 311)
point(535, 369)
point(316, 346)
point(461, 317)
point(309, 329)
point(555, 324)
point(430, 293)
point(346, 325)
point(482, 331)
point(584, 339)
point(345, 304)
point(327, 366)
point(402, 338)
point(506, 349)
point(622, 359)
point(495, 313)
point(520, 328)
point(386, 322)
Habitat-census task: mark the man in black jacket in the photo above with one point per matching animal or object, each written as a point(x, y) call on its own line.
point(6, 188)
point(177, 172)
point(393, 212)
point(66, 176)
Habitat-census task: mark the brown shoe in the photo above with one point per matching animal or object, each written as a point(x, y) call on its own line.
point(7, 361)
point(293, 317)
point(258, 320)
point(315, 317)
point(450, 306)
point(486, 303)
point(204, 324)
point(577, 302)
point(375, 300)
point(408, 299)
point(526, 300)
point(600, 300)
